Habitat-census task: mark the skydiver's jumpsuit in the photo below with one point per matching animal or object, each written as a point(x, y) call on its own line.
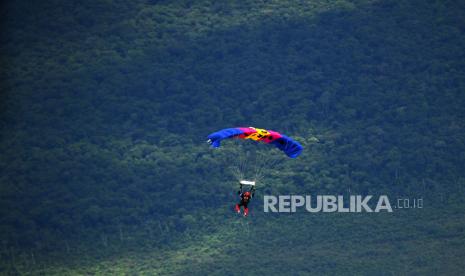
point(245, 199)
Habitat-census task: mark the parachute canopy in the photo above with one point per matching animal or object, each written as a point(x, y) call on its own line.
point(290, 147)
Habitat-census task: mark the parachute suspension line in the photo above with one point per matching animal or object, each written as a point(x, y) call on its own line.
point(275, 161)
point(265, 161)
point(248, 161)
point(243, 165)
point(244, 160)
point(260, 166)
point(240, 164)
point(259, 161)
point(268, 162)
point(236, 172)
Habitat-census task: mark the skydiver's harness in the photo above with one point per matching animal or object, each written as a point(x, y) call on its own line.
point(245, 200)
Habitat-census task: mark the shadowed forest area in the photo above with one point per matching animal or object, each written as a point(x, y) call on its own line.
point(106, 105)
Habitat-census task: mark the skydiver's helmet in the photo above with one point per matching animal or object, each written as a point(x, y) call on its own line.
point(247, 194)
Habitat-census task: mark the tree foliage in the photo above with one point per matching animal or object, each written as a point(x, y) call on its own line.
point(105, 106)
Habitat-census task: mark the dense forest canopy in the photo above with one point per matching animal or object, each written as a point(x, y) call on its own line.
point(106, 105)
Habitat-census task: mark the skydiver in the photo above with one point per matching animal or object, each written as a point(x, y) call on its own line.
point(245, 199)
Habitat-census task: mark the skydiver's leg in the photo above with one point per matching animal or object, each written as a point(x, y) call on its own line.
point(238, 206)
point(246, 210)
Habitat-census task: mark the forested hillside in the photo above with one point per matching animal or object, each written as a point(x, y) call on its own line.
point(106, 105)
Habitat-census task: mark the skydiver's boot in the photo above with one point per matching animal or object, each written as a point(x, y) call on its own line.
point(237, 208)
point(246, 212)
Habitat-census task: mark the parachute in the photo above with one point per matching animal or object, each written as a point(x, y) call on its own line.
point(253, 161)
point(289, 146)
